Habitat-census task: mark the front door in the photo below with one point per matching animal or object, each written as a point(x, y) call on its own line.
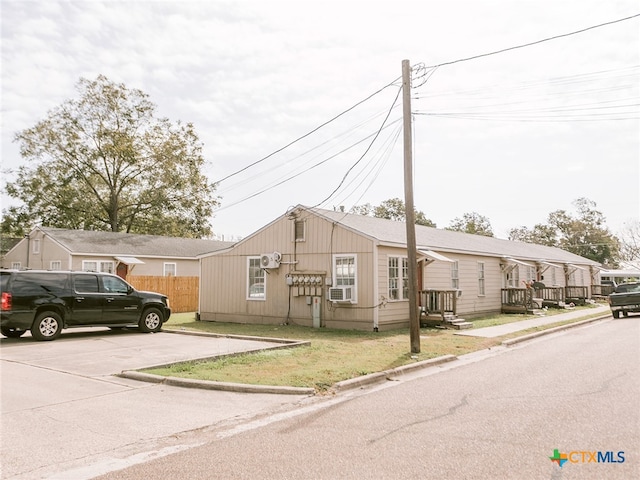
point(87, 301)
point(121, 304)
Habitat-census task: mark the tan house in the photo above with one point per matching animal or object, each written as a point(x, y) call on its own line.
point(325, 268)
point(120, 253)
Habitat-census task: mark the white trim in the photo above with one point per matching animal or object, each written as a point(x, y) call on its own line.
point(129, 260)
point(433, 255)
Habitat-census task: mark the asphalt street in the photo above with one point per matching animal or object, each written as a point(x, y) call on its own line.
point(494, 414)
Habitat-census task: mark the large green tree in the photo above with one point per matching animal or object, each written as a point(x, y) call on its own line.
point(584, 233)
point(472, 223)
point(391, 209)
point(105, 161)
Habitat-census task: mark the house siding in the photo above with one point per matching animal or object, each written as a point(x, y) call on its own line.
point(224, 277)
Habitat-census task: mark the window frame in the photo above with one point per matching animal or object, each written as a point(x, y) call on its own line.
point(300, 238)
point(455, 275)
point(166, 273)
point(100, 266)
point(338, 280)
point(481, 279)
point(252, 276)
point(55, 265)
point(401, 277)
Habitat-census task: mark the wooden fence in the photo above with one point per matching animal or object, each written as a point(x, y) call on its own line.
point(182, 291)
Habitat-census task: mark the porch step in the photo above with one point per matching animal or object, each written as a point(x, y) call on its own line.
point(458, 323)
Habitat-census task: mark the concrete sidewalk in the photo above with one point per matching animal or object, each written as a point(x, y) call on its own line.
point(499, 330)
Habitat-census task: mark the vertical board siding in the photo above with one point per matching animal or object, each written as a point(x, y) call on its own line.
point(224, 276)
point(182, 291)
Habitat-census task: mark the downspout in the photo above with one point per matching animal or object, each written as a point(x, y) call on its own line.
point(376, 286)
point(28, 248)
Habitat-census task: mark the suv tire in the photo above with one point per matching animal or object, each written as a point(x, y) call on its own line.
point(12, 332)
point(47, 326)
point(151, 321)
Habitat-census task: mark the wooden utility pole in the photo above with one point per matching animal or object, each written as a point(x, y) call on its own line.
point(410, 214)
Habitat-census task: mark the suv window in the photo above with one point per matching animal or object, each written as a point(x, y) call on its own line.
point(114, 285)
point(86, 283)
point(32, 283)
point(4, 281)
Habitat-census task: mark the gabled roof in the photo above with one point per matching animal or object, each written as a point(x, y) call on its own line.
point(113, 243)
point(393, 232)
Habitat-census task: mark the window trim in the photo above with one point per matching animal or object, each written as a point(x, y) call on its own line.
point(55, 265)
point(249, 284)
point(164, 269)
point(455, 275)
point(403, 280)
point(100, 264)
point(481, 279)
point(304, 230)
point(336, 257)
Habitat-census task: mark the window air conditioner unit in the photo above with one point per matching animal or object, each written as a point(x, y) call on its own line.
point(270, 260)
point(341, 294)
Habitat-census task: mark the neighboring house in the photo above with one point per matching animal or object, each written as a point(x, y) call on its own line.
point(324, 268)
point(120, 253)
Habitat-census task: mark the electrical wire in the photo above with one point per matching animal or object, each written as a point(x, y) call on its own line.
point(529, 44)
point(306, 134)
point(365, 152)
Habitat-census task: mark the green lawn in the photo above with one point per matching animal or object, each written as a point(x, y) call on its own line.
point(332, 356)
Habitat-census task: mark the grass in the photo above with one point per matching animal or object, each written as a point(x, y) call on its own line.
point(333, 355)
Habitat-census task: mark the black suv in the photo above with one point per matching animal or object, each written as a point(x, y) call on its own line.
point(45, 302)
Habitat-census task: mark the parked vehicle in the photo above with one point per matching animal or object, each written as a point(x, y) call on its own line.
point(45, 302)
point(625, 299)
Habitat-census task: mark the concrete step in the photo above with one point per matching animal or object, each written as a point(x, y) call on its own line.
point(459, 324)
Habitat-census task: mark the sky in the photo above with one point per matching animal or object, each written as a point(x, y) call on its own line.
point(300, 102)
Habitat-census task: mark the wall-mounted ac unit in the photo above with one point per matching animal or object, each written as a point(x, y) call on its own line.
point(270, 260)
point(341, 294)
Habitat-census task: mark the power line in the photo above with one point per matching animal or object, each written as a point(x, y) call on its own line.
point(306, 134)
point(555, 37)
point(365, 152)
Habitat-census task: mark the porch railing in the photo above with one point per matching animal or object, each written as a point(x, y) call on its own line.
point(438, 302)
point(553, 295)
point(576, 293)
point(521, 298)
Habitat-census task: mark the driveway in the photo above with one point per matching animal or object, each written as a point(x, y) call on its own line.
point(65, 414)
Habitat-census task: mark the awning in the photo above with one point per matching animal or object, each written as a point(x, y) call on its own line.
point(575, 267)
point(513, 261)
point(431, 255)
point(547, 265)
point(130, 260)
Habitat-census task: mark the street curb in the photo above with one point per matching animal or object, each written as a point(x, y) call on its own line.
point(385, 375)
point(211, 385)
point(524, 338)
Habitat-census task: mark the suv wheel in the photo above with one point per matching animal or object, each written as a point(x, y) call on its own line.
point(12, 332)
point(151, 321)
point(47, 326)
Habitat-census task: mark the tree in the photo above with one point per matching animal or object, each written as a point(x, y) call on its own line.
point(540, 234)
point(392, 209)
point(472, 223)
point(630, 242)
point(106, 162)
point(585, 234)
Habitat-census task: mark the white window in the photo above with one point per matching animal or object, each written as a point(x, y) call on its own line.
point(455, 279)
point(35, 245)
point(480, 278)
point(398, 278)
point(169, 269)
point(513, 277)
point(256, 280)
point(55, 265)
point(344, 273)
point(16, 265)
point(300, 226)
point(97, 266)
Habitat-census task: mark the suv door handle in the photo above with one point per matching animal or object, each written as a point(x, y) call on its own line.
point(109, 299)
point(79, 299)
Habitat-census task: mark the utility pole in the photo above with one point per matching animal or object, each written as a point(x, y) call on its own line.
point(410, 214)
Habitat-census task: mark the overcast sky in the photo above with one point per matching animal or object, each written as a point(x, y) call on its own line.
point(512, 136)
